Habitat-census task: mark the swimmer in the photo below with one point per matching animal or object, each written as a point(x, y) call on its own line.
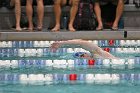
point(95, 51)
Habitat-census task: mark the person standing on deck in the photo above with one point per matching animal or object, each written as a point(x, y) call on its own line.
point(40, 13)
point(119, 12)
point(57, 11)
point(17, 4)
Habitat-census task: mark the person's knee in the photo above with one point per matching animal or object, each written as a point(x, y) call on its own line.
point(17, 2)
point(75, 3)
point(120, 1)
point(39, 1)
point(57, 2)
point(96, 4)
point(29, 2)
point(63, 2)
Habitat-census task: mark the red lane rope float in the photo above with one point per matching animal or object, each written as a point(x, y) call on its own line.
point(111, 42)
point(107, 49)
point(73, 77)
point(91, 62)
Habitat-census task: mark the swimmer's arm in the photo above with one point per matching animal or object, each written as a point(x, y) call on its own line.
point(92, 48)
point(82, 43)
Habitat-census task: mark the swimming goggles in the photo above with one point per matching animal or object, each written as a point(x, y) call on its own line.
point(79, 54)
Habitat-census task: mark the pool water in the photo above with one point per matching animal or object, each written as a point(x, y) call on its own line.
point(70, 89)
point(30, 67)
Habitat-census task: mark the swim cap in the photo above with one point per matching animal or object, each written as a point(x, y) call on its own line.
point(78, 54)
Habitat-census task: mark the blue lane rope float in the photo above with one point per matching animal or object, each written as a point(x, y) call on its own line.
point(70, 78)
point(75, 63)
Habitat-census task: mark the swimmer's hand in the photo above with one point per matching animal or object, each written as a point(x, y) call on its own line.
point(55, 46)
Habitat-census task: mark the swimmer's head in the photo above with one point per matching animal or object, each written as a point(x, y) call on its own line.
point(81, 55)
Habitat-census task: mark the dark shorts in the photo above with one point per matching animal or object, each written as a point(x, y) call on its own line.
point(68, 2)
point(93, 1)
point(115, 2)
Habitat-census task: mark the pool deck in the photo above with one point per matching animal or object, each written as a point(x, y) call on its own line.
point(9, 35)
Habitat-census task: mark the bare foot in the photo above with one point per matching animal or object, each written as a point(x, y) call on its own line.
point(39, 28)
point(114, 27)
point(18, 29)
point(30, 29)
point(71, 29)
point(99, 28)
point(56, 29)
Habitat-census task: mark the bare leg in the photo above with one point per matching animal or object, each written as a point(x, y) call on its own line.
point(119, 11)
point(73, 13)
point(12, 2)
point(18, 14)
point(57, 11)
point(98, 15)
point(17, 5)
point(29, 11)
point(40, 12)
